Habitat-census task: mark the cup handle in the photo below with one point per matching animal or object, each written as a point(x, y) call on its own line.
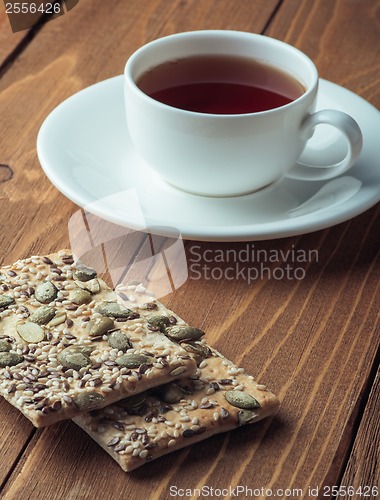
point(348, 127)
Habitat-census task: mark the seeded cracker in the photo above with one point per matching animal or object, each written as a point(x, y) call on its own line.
point(67, 345)
point(218, 398)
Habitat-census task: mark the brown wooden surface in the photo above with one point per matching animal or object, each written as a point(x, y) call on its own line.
point(365, 452)
point(8, 40)
point(315, 341)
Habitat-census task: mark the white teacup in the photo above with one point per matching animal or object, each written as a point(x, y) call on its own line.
point(235, 154)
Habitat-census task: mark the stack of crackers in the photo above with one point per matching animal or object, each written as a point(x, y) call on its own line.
point(138, 379)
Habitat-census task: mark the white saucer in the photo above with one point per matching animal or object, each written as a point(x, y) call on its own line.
point(85, 150)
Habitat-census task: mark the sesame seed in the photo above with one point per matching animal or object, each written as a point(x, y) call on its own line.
point(261, 387)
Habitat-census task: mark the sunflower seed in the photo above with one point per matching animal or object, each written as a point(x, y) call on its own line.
point(58, 319)
point(178, 371)
point(30, 332)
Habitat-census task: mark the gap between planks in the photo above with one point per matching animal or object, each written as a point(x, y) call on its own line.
point(362, 406)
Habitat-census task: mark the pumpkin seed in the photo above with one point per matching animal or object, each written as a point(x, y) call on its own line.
point(246, 417)
point(42, 315)
point(30, 332)
point(183, 333)
point(84, 349)
point(118, 340)
point(198, 350)
point(133, 402)
point(10, 359)
point(91, 286)
point(113, 309)
point(241, 400)
point(84, 274)
point(160, 322)
point(6, 300)
point(134, 360)
point(45, 292)
point(99, 326)
point(5, 346)
point(88, 401)
point(79, 296)
point(71, 358)
point(171, 393)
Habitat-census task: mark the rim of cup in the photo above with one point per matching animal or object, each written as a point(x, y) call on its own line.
point(310, 82)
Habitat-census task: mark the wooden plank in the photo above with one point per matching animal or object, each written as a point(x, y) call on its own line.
point(15, 431)
point(8, 39)
point(43, 78)
point(341, 37)
point(56, 64)
point(363, 468)
point(13, 43)
point(316, 332)
point(313, 341)
point(309, 341)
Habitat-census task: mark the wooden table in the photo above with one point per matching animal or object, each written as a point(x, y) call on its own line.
point(315, 341)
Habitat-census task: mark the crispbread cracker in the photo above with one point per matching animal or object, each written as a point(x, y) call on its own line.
point(218, 398)
point(52, 366)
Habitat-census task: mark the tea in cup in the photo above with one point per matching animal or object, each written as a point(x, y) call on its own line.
point(226, 113)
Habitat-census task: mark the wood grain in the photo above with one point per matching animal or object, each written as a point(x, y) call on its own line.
point(303, 340)
point(13, 44)
point(8, 40)
point(55, 65)
point(341, 37)
point(312, 340)
point(15, 433)
point(363, 468)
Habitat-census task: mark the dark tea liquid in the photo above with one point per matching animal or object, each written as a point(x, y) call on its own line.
point(220, 85)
